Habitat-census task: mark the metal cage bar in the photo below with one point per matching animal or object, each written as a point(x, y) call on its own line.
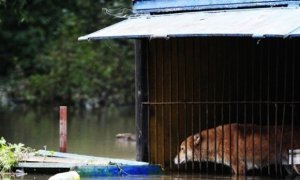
point(192, 89)
point(171, 107)
point(237, 56)
point(177, 112)
point(207, 107)
point(192, 122)
point(214, 108)
point(200, 44)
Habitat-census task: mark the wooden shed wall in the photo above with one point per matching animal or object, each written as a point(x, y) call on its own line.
point(191, 84)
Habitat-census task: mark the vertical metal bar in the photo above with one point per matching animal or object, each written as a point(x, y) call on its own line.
point(237, 105)
point(284, 99)
point(170, 115)
point(292, 135)
point(214, 111)
point(148, 57)
point(276, 106)
point(245, 109)
point(268, 104)
point(192, 81)
point(260, 104)
point(184, 97)
point(155, 100)
point(199, 118)
point(229, 59)
point(230, 138)
point(253, 57)
point(275, 144)
point(222, 98)
point(207, 99)
point(293, 96)
point(207, 147)
point(281, 139)
point(177, 91)
point(163, 42)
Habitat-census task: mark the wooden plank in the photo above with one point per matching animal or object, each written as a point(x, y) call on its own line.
point(52, 160)
point(47, 165)
point(89, 158)
point(40, 159)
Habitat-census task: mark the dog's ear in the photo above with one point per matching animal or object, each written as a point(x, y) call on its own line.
point(196, 139)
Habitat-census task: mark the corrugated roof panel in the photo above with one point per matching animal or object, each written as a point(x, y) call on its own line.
point(158, 6)
point(280, 22)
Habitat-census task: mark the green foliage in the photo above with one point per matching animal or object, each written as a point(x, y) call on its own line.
point(10, 154)
point(43, 62)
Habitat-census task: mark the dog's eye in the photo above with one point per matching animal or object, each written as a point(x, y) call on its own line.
point(182, 148)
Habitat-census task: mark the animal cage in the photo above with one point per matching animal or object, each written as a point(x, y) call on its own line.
point(216, 90)
point(195, 84)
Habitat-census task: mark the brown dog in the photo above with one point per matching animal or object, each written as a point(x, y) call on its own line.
point(234, 140)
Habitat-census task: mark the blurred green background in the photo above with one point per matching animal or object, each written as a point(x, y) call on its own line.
point(42, 62)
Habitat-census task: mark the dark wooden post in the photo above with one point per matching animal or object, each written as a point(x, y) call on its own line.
point(63, 128)
point(140, 96)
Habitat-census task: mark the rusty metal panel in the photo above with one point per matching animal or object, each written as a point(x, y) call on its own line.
point(264, 22)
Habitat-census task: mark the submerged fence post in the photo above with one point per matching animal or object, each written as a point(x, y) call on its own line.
point(63, 128)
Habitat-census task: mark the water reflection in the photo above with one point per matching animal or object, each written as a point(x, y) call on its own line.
point(89, 133)
point(174, 176)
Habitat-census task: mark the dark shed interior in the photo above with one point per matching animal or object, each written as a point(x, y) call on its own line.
point(185, 85)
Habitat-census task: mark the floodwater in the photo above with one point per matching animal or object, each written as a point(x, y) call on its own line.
point(89, 133)
point(165, 177)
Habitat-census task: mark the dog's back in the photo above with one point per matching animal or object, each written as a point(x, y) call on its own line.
point(242, 146)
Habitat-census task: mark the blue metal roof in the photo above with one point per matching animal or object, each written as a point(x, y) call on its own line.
point(264, 22)
point(159, 6)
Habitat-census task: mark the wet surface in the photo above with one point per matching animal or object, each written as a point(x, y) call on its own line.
point(89, 132)
point(174, 176)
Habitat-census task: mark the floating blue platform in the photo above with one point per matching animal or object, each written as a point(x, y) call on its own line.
point(114, 170)
point(86, 166)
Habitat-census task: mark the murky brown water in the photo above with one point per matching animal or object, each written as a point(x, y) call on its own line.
point(162, 177)
point(89, 133)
